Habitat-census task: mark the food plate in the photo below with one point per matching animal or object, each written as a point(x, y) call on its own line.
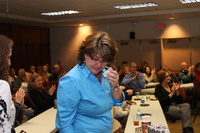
point(146, 114)
point(137, 98)
point(144, 104)
point(153, 99)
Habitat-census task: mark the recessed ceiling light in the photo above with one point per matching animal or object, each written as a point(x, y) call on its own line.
point(189, 1)
point(60, 13)
point(171, 18)
point(136, 5)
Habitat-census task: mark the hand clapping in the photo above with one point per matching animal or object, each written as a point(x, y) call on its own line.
point(175, 88)
point(19, 96)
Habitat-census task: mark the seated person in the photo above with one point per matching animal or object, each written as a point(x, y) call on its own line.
point(25, 79)
point(42, 97)
point(125, 70)
point(120, 70)
point(32, 69)
point(134, 80)
point(42, 74)
point(186, 75)
point(172, 102)
point(18, 99)
point(18, 80)
point(45, 69)
point(149, 74)
point(121, 112)
point(28, 111)
point(127, 92)
point(55, 74)
point(174, 78)
point(197, 72)
point(12, 77)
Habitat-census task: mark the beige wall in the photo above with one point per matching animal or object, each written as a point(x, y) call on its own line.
point(145, 47)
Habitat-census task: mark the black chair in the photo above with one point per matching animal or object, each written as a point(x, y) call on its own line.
point(197, 97)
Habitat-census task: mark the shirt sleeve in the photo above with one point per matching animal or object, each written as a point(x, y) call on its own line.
point(127, 79)
point(184, 78)
point(141, 81)
point(119, 102)
point(67, 100)
point(9, 109)
point(119, 112)
point(151, 78)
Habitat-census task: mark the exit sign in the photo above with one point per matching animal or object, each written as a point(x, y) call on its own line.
point(160, 26)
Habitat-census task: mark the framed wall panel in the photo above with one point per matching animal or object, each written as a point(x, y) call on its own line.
point(150, 52)
point(195, 50)
point(176, 51)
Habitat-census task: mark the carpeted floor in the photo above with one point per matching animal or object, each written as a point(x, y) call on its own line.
point(177, 126)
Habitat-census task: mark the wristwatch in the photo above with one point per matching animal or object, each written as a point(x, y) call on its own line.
point(116, 87)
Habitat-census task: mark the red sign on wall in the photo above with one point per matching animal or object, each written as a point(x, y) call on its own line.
point(160, 26)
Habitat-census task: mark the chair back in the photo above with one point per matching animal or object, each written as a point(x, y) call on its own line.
point(197, 90)
point(182, 93)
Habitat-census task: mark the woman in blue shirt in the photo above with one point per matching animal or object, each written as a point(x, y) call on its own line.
point(85, 95)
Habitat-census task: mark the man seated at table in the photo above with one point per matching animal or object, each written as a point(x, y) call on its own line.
point(134, 80)
point(121, 112)
point(186, 75)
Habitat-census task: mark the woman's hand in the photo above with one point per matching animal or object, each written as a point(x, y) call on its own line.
point(19, 96)
point(137, 75)
point(153, 70)
point(52, 89)
point(130, 92)
point(175, 88)
point(113, 78)
point(191, 68)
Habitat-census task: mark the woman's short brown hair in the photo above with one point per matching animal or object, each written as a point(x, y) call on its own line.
point(161, 75)
point(31, 81)
point(5, 48)
point(98, 43)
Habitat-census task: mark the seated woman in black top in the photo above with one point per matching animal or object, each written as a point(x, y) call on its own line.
point(42, 97)
point(172, 102)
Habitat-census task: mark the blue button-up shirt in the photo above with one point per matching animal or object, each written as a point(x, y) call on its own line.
point(84, 104)
point(135, 84)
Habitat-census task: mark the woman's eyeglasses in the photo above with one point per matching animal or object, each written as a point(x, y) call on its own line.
point(167, 76)
point(98, 60)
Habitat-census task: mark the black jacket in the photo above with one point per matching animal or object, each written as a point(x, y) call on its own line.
point(165, 101)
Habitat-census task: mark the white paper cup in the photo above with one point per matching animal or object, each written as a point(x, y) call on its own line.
point(145, 124)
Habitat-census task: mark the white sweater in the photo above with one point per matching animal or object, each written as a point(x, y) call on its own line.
point(121, 111)
point(7, 108)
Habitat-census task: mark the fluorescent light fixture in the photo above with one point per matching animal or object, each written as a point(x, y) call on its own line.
point(136, 5)
point(60, 13)
point(189, 1)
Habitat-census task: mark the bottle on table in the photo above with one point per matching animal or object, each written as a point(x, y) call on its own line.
point(142, 100)
point(138, 115)
point(181, 82)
